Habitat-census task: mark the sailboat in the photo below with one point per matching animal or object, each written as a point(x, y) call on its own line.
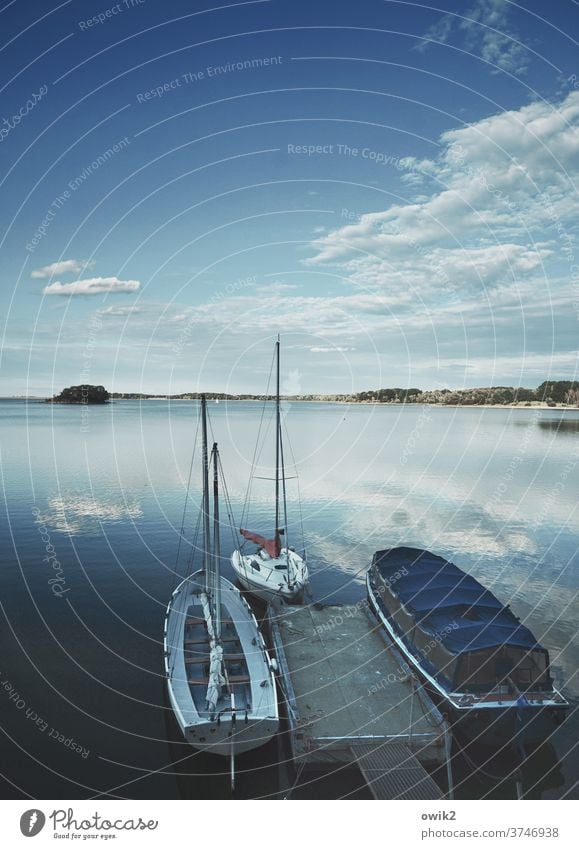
point(220, 677)
point(274, 570)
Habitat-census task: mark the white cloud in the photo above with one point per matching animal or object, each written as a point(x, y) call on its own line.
point(534, 365)
point(496, 45)
point(65, 266)
point(487, 33)
point(120, 311)
point(331, 316)
point(439, 272)
point(438, 32)
point(503, 203)
point(330, 350)
point(93, 286)
point(276, 287)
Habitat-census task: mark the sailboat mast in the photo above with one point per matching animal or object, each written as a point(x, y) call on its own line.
point(277, 439)
point(205, 460)
point(216, 546)
point(284, 508)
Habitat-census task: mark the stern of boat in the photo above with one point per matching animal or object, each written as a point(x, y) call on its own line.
point(496, 727)
point(245, 734)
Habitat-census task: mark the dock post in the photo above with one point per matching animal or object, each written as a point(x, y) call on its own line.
point(298, 775)
point(448, 753)
point(412, 688)
point(519, 783)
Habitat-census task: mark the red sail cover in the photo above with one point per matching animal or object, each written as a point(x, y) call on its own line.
point(272, 546)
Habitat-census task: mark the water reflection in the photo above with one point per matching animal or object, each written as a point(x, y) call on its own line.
point(493, 490)
point(564, 426)
point(80, 513)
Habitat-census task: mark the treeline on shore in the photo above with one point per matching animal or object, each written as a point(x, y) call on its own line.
point(549, 392)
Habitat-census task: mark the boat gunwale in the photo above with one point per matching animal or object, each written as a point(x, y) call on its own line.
point(253, 714)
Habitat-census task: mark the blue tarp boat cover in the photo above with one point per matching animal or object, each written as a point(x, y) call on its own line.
point(446, 601)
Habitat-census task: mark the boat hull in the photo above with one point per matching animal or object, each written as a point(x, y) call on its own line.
point(246, 716)
point(495, 727)
point(220, 738)
point(488, 724)
point(270, 584)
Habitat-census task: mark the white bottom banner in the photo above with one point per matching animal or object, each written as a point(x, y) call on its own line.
point(331, 824)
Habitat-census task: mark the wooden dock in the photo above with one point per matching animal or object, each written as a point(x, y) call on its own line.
point(352, 699)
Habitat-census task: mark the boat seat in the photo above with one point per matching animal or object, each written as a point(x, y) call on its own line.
point(203, 640)
point(195, 621)
point(233, 679)
point(232, 658)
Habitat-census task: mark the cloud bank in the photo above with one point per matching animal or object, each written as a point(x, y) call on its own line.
point(485, 31)
point(93, 286)
point(66, 266)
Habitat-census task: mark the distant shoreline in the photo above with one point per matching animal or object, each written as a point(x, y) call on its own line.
point(550, 394)
point(533, 405)
point(522, 405)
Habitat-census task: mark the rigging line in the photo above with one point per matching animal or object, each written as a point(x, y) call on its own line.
point(277, 436)
point(264, 441)
point(182, 531)
point(257, 443)
point(194, 547)
point(263, 478)
point(301, 512)
point(284, 505)
point(228, 507)
point(210, 425)
point(298, 775)
point(216, 545)
point(207, 563)
point(225, 490)
point(253, 477)
point(259, 447)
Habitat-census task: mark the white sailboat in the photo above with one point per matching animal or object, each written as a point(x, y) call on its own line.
point(275, 569)
point(220, 677)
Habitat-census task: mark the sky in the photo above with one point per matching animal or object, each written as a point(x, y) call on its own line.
point(390, 186)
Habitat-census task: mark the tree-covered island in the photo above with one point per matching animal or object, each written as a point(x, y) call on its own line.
point(84, 394)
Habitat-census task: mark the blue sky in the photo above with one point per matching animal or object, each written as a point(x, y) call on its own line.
point(390, 186)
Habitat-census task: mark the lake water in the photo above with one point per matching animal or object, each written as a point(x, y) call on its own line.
point(93, 506)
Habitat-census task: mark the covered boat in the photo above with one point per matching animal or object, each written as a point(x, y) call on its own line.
point(488, 669)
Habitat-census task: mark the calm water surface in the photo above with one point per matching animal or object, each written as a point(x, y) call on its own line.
point(99, 494)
